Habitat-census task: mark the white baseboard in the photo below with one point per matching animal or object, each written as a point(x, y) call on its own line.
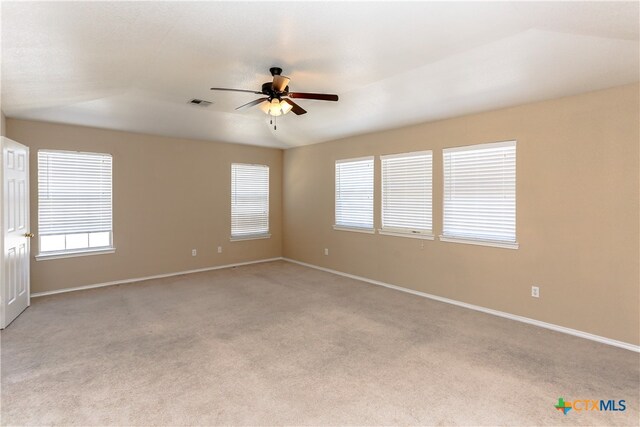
point(551, 326)
point(506, 315)
point(157, 276)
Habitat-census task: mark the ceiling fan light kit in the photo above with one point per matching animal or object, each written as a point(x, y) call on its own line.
point(277, 100)
point(275, 107)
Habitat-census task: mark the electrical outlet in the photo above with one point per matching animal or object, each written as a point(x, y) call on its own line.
point(194, 252)
point(219, 249)
point(326, 251)
point(535, 292)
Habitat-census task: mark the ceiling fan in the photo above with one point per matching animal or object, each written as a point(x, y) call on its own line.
point(277, 98)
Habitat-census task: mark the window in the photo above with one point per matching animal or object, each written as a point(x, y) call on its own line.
point(406, 194)
point(74, 202)
point(249, 201)
point(480, 194)
point(354, 194)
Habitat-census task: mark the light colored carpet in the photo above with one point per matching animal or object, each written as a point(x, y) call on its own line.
point(278, 343)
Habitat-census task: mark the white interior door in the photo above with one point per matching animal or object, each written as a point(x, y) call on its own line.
point(14, 265)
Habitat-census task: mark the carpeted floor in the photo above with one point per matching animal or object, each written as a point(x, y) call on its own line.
point(278, 343)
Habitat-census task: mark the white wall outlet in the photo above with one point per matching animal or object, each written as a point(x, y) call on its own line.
point(535, 292)
point(194, 252)
point(219, 249)
point(326, 251)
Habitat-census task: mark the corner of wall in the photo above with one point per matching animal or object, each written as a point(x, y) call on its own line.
point(3, 124)
point(282, 220)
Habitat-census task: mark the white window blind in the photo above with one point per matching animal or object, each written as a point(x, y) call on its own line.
point(407, 193)
point(249, 201)
point(354, 193)
point(480, 193)
point(74, 201)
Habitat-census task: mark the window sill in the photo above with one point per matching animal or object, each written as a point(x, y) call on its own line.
point(354, 229)
point(423, 236)
point(504, 245)
point(70, 254)
point(250, 237)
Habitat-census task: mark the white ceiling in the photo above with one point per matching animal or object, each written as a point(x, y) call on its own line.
point(133, 66)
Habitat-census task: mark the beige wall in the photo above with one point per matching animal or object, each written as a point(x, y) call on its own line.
point(578, 210)
point(3, 124)
point(170, 195)
point(577, 214)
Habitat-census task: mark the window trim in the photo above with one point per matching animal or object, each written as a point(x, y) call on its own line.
point(404, 232)
point(73, 253)
point(470, 240)
point(342, 227)
point(254, 236)
point(250, 237)
point(480, 242)
point(355, 229)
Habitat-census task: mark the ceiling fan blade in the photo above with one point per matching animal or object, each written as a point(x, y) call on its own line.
point(236, 90)
point(298, 110)
point(319, 96)
point(280, 83)
point(252, 103)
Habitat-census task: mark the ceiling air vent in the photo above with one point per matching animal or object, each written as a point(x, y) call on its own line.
point(199, 102)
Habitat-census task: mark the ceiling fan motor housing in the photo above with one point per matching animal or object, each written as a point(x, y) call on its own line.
point(267, 89)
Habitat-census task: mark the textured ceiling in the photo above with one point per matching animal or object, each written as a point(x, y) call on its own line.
point(134, 65)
